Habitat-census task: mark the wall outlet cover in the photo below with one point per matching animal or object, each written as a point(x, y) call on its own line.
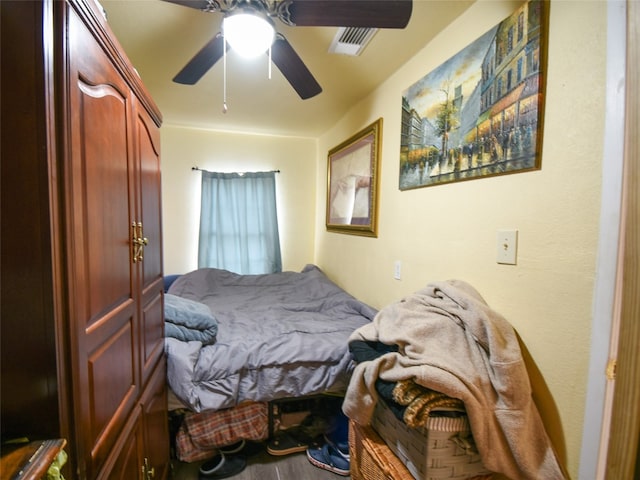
point(507, 247)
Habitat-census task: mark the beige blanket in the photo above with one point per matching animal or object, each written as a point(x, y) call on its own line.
point(451, 341)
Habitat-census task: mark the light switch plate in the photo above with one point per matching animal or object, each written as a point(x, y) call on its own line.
point(507, 247)
point(397, 270)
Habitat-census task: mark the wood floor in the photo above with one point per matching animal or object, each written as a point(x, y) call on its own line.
point(265, 467)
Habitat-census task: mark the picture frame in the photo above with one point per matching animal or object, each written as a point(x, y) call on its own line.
point(480, 113)
point(353, 172)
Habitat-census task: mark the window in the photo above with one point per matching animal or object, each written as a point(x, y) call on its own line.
point(520, 27)
point(510, 39)
point(239, 223)
point(519, 70)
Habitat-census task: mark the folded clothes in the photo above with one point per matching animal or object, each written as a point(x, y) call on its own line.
point(364, 351)
point(422, 402)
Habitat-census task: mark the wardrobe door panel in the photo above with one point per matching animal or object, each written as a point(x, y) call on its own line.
point(156, 426)
point(148, 143)
point(103, 169)
point(148, 151)
point(104, 317)
point(152, 347)
point(112, 391)
point(126, 460)
point(128, 466)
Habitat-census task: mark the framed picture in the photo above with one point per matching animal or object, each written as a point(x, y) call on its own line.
point(480, 113)
point(353, 169)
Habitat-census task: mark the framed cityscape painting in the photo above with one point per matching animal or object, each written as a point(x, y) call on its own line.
point(480, 113)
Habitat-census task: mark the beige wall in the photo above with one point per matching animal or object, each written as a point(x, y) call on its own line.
point(449, 231)
point(183, 148)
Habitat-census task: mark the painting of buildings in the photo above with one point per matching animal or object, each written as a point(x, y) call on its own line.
point(479, 113)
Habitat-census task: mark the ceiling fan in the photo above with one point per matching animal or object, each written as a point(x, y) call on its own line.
point(301, 13)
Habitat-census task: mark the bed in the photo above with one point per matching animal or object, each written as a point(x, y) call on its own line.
point(276, 336)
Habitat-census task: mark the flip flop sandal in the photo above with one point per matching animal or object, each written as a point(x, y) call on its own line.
point(222, 467)
point(284, 444)
point(329, 458)
point(341, 446)
point(305, 436)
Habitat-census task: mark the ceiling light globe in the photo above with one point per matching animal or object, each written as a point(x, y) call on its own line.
point(248, 34)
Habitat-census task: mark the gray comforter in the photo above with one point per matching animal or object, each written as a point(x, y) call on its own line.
point(279, 335)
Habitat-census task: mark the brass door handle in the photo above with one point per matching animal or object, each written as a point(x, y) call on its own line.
point(139, 242)
point(148, 473)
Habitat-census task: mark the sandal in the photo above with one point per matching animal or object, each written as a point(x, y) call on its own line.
point(341, 446)
point(222, 467)
point(284, 443)
point(329, 458)
point(290, 441)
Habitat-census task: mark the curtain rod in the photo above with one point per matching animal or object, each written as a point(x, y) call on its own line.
point(202, 170)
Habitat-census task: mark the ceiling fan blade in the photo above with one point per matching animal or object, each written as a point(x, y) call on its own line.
point(202, 62)
point(350, 13)
point(294, 69)
point(197, 4)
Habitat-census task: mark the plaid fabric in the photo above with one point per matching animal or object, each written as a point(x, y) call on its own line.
point(201, 434)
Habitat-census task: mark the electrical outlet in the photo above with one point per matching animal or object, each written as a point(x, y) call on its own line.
point(507, 247)
point(397, 270)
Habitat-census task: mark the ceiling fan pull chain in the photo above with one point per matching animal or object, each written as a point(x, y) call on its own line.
point(224, 75)
point(269, 62)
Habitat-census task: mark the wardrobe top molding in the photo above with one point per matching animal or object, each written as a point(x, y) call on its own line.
point(94, 18)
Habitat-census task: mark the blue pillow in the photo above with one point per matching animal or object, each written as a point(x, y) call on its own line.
point(168, 280)
point(188, 320)
point(187, 312)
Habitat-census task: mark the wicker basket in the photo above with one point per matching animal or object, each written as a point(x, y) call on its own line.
point(371, 459)
point(437, 453)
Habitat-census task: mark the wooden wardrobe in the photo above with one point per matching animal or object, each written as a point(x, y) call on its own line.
point(81, 252)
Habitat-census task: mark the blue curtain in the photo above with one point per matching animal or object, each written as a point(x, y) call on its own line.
point(239, 223)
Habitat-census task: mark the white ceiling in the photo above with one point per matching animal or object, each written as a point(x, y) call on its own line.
point(160, 38)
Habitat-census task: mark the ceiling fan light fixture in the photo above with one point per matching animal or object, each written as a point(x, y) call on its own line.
point(249, 34)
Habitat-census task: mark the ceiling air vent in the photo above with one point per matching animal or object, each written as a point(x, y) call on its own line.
point(351, 40)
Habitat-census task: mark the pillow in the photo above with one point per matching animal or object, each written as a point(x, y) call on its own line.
point(168, 280)
point(188, 320)
point(189, 313)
